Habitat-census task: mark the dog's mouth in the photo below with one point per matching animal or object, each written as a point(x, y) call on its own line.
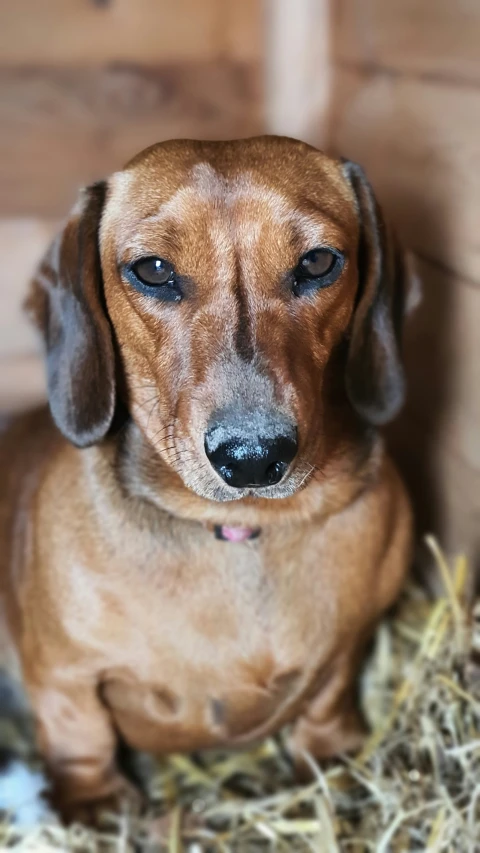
point(205, 484)
point(236, 534)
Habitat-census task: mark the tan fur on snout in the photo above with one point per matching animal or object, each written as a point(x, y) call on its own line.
point(128, 614)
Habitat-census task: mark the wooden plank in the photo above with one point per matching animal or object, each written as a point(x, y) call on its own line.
point(445, 490)
point(22, 243)
point(22, 383)
point(244, 30)
point(62, 129)
point(297, 67)
point(436, 438)
point(73, 32)
point(420, 145)
point(442, 354)
point(433, 37)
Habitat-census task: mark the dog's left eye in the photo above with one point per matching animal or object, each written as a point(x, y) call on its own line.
point(154, 276)
point(317, 269)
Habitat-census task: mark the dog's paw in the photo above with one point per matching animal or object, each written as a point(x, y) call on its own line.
point(310, 743)
point(102, 812)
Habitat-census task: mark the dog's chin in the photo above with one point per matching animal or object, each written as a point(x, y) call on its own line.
point(220, 492)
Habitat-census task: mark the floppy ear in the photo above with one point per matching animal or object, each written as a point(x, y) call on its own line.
point(66, 303)
point(375, 379)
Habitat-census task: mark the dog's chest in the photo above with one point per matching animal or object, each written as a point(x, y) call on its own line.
point(216, 649)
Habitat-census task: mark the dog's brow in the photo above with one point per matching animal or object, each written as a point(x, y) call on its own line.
point(147, 238)
point(169, 239)
point(176, 207)
point(312, 210)
point(308, 232)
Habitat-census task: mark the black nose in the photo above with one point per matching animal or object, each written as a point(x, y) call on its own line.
point(247, 462)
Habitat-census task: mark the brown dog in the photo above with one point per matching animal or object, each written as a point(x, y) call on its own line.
point(196, 548)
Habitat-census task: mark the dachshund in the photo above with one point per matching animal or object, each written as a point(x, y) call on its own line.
point(202, 530)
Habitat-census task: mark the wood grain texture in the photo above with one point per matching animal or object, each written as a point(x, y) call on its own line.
point(420, 145)
point(244, 30)
point(22, 243)
point(442, 354)
point(22, 383)
point(432, 37)
point(85, 32)
point(63, 129)
point(436, 438)
point(444, 488)
point(297, 67)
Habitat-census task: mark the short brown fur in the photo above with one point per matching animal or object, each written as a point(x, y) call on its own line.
point(128, 615)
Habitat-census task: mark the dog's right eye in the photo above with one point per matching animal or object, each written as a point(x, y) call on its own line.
point(154, 276)
point(316, 270)
point(153, 272)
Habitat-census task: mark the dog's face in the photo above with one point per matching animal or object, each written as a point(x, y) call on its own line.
point(245, 298)
point(230, 277)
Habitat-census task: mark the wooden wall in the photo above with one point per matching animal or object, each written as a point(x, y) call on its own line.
point(394, 84)
point(405, 102)
point(84, 85)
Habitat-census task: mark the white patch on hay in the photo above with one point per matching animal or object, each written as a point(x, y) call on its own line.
point(21, 790)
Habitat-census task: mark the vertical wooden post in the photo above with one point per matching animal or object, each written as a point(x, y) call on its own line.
point(297, 68)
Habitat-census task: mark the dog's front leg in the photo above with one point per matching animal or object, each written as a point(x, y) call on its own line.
point(332, 722)
point(77, 740)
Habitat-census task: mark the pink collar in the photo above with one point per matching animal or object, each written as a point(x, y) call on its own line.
point(236, 534)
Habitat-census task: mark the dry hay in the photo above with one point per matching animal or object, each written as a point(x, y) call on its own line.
point(415, 786)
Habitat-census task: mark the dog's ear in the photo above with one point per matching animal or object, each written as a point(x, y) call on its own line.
point(67, 305)
point(375, 379)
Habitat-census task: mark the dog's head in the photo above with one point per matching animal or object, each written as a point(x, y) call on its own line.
point(243, 299)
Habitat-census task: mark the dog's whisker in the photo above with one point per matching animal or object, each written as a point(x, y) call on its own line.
point(149, 400)
point(152, 410)
point(306, 476)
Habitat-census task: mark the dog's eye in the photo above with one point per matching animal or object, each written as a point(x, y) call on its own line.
point(317, 263)
point(318, 268)
point(154, 276)
point(153, 271)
